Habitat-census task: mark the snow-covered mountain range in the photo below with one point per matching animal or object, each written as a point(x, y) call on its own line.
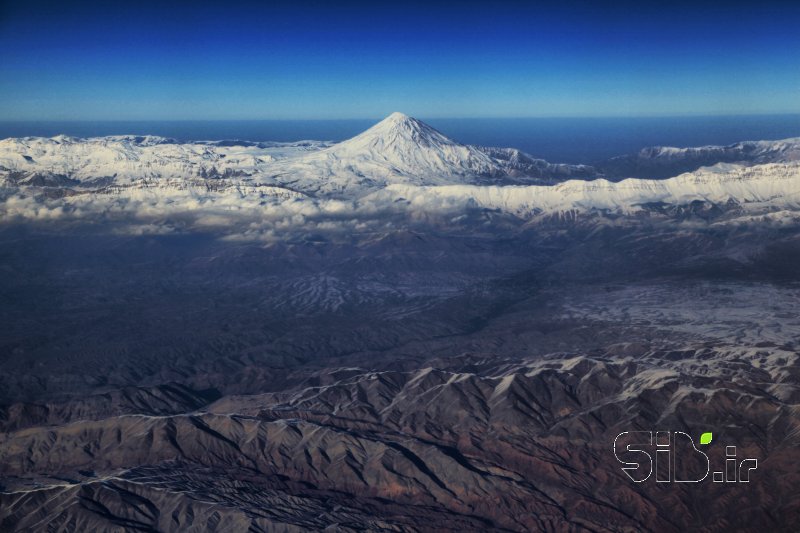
point(660, 162)
point(400, 161)
point(397, 150)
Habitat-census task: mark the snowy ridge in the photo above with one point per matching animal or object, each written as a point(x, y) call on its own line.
point(519, 164)
point(131, 158)
point(754, 151)
point(668, 161)
point(772, 185)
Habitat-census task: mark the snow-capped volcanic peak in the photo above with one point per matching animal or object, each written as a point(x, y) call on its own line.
point(399, 131)
point(402, 148)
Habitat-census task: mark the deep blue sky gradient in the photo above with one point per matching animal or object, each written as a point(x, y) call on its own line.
point(143, 60)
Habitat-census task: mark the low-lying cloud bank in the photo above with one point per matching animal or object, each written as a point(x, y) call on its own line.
point(262, 215)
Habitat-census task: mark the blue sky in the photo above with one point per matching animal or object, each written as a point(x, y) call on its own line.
point(316, 60)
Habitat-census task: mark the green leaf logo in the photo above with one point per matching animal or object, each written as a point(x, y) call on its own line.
point(705, 438)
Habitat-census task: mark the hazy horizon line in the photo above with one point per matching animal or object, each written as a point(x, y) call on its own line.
point(525, 117)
